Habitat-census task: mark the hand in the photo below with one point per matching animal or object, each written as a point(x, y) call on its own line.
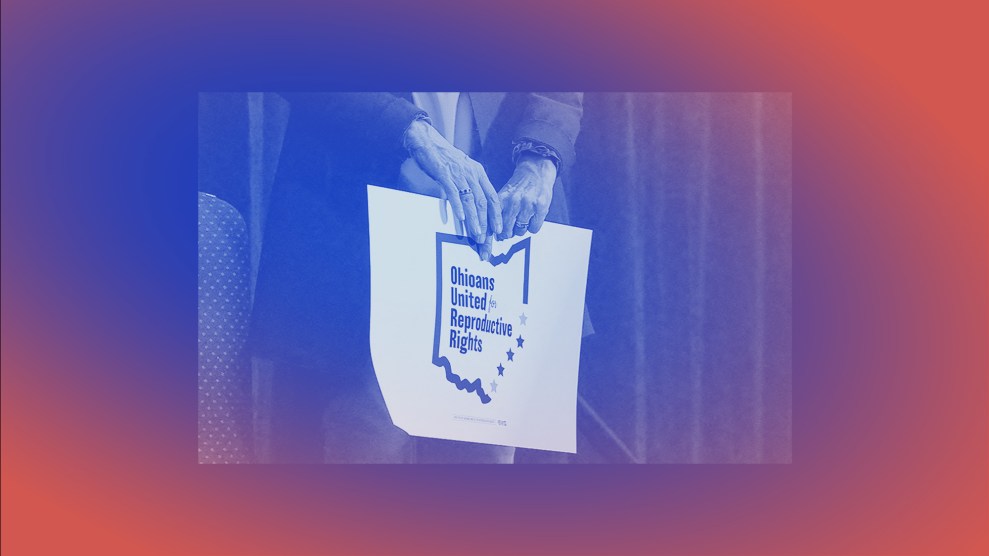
point(464, 180)
point(526, 197)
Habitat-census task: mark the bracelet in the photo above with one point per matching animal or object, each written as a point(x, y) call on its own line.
point(419, 117)
point(538, 149)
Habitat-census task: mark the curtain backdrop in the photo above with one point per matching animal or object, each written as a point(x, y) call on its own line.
point(689, 287)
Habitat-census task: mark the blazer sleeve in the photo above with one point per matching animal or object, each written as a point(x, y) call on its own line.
point(553, 119)
point(365, 123)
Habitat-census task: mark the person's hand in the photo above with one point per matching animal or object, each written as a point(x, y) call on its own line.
point(464, 181)
point(526, 197)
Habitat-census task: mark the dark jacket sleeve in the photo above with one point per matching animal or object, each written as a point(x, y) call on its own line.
point(365, 123)
point(553, 119)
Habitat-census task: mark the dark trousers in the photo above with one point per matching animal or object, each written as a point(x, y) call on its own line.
point(316, 419)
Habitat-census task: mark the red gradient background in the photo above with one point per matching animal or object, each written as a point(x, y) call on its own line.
point(890, 312)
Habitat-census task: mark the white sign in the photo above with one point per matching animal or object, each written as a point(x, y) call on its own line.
point(479, 351)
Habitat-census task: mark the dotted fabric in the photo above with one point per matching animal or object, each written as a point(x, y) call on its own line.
point(224, 309)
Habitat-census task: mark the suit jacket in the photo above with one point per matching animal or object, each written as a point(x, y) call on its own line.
point(312, 300)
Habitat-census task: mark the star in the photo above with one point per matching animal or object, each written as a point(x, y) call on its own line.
point(519, 340)
point(494, 387)
point(511, 355)
point(501, 370)
point(522, 319)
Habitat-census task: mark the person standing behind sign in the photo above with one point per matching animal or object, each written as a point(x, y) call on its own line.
point(312, 301)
